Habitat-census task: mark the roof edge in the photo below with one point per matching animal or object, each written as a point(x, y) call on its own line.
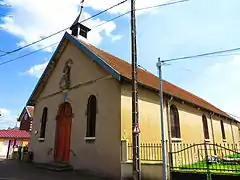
point(95, 57)
point(157, 90)
point(22, 112)
point(30, 102)
point(29, 114)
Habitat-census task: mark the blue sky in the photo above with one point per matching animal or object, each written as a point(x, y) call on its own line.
point(188, 28)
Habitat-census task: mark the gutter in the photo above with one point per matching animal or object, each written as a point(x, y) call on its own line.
point(176, 97)
point(232, 134)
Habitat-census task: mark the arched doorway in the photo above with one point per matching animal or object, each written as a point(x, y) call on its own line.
point(63, 133)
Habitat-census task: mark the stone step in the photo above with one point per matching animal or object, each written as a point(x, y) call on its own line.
point(55, 166)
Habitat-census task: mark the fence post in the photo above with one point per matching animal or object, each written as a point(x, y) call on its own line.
point(124, 150)
point(170, 160)
point(207, 162)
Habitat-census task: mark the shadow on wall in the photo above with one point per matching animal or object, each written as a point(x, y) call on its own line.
point(143, 94)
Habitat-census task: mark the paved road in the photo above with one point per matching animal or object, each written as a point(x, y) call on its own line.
point(14, 170)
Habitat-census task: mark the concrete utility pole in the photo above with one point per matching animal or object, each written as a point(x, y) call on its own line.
point(165, 170)
point(135, 123)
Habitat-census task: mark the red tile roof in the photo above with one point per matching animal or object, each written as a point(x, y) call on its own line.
point(124, 69)
point(30, 110)
point(152, 81)
point(14, 134)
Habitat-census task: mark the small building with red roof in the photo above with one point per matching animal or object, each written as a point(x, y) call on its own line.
point(12, 138)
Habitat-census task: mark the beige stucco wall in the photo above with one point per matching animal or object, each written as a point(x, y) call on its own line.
point(190, 119)
point(24, 141)
point(148, 171)
point(104, 155)
point(1, 144)
point(149, 115)
point(231, 130)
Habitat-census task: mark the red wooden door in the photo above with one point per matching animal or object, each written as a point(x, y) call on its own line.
point(63, 133)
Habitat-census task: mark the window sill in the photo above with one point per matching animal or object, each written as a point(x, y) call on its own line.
point(176, 139)
point(207, 140)
point(41, 139)
point(224, 140)
point(90, 138)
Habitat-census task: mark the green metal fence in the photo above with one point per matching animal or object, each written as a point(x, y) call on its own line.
point(206, 158)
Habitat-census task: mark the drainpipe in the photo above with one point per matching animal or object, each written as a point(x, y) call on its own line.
point(232, 134)
point(213, 137)
point(169, 132)
point(169, 122)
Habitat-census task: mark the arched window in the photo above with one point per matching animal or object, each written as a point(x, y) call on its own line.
point(205, 127)
point(91, 116)
point(175, 126)
point(43, 122)
point(223, 130)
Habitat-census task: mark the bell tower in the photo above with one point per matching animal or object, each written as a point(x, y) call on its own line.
point(77, 28)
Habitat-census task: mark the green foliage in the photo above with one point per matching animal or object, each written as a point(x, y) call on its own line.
point(237, 155)
point(216, 168)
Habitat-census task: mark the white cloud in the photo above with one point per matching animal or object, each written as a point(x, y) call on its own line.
point(118, 37)
point(33, 20)
point(7, 119)
point(37, 70)
point(220, 84)
point(100, 5)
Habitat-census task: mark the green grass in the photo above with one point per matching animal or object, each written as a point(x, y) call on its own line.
point(234, 156)
point(217, 168)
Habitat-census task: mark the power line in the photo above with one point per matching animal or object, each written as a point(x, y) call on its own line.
point(166, 4)
point(113, 19)
point(25, 55)
point(10, 16)
point(140, 9)
point(33, 52)
point(234, 115)
point(97, 14)
point(2, 51)
point(202, 55)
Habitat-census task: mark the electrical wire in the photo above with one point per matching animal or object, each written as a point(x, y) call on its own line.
point(97, 14)
point(238, 118)
point(2, 51)
point(92, 28)
point(112, 19)
point(5, 15)
point(202, 55)
point(140, 9)
point(33, 52)
point(156, 6)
